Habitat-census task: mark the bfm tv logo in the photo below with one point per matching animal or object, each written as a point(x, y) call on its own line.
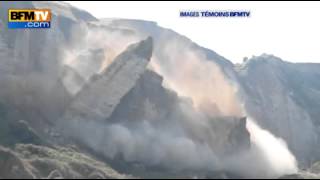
point(29, 18)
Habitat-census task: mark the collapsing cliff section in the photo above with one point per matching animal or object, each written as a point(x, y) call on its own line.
point(99, 97)
point(126, 114)
point(97, 100)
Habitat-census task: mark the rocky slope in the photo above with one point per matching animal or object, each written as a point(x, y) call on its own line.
point(36, 162)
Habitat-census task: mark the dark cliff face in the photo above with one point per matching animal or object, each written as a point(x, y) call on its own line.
point(147, 90)
point(239, 137)
point(150, 101)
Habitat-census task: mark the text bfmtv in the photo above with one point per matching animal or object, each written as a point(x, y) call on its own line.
point(29, 18)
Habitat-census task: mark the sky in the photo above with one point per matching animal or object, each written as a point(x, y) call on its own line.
point(289, 30)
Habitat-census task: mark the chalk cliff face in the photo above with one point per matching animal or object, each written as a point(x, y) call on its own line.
point(147, 102)
point(284, 98)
